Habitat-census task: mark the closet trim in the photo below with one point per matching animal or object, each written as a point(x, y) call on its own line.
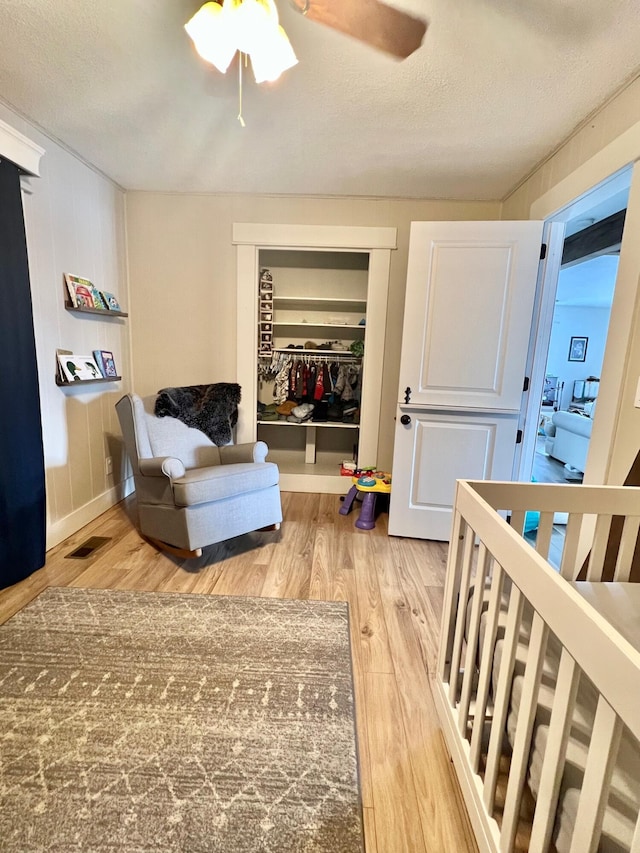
point(249, 239)
point(314, 236)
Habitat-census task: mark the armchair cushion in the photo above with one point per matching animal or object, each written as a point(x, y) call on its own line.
point(222, 481)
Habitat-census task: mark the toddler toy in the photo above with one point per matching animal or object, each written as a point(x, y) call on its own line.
point(371, 483)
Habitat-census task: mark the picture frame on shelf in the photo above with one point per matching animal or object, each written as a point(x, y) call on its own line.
point(106, 362)
point(76, 368)
point(578, 349)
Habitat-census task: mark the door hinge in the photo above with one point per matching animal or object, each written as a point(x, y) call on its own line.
point(543, 251)
point(525, 384)
point(519, 437)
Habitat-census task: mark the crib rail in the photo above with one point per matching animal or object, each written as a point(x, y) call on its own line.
point(498, 585)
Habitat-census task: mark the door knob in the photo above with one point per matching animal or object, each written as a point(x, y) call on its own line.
point(405, 420)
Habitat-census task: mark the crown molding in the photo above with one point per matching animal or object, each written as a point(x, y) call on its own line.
point(20, 150)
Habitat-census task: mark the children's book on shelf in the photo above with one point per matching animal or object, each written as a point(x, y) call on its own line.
point(111, 300)
point(82, 290)
point(76, 368)
point(105, 362)
point(98, 300)
point(69, 281)
point(84, 294)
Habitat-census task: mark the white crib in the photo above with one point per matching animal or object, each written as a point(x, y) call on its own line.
point(538, 693)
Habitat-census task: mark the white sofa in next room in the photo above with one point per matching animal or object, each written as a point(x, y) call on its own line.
point(568, 435)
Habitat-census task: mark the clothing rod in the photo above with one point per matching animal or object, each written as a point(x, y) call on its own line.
point(343, 355)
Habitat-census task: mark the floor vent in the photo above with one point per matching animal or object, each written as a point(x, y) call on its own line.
point(87, 548)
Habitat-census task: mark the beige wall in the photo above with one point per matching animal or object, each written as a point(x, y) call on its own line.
point(74, 220)
point(607, 125)
point(182, 268)
point(610, 139)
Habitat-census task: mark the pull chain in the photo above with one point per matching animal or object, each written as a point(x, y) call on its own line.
point(240, 119)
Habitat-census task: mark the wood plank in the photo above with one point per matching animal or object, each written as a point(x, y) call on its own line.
point(600, 237)
point(445, 824)
point(371, 636)
point(368, 819)
point(394, 796)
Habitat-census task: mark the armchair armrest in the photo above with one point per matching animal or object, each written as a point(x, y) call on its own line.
point(232, 453)
point(162, 466)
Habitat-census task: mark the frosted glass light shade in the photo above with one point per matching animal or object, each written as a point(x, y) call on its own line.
point(273, 56)
point(211, 31)
point(252, 19)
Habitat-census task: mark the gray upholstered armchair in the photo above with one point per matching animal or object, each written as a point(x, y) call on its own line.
point(191, 493)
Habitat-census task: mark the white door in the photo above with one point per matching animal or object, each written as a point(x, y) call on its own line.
point(468, 310)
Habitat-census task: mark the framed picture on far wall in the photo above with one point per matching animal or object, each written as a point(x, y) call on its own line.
point(578, 349)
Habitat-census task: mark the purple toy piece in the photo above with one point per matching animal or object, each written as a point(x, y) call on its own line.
point(368, 512)
point(347, 505)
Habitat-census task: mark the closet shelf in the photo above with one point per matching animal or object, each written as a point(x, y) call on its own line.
point(299, 324)
point(323, 424)
point(320, 302)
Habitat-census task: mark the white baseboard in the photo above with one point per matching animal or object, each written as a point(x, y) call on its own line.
point(324, 484)
point(59, 530)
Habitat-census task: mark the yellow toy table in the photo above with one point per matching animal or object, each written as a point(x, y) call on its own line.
point(373, 484)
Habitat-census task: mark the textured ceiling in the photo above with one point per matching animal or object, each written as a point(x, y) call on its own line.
point(496, 86)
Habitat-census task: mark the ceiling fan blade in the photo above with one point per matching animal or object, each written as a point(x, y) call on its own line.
point(381, 26)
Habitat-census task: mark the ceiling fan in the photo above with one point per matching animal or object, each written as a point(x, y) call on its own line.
point(371, 21)
point(222, 28)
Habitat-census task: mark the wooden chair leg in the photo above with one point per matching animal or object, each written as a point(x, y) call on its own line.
point(183, 553)
point(268, 528)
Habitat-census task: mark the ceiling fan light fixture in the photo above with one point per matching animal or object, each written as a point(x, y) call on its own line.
point(252, 27)
point(210, 30)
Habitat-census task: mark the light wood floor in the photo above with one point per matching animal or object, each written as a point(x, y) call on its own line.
point(394, 588)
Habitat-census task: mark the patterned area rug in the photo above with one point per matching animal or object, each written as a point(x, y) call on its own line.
point(157, 721)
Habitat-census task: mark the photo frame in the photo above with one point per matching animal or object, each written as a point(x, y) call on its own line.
point(578, 349)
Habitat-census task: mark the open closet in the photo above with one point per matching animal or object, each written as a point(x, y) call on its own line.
point(311, 325)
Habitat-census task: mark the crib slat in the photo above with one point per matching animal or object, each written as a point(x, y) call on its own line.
point(599, 548)
point(463, 596)
point(545, 531)
point(501, 704)
point(484, 560)
point(555, 752)
point(603, 752)
point(517, 521)
point(524, 730)
point(458, 534)
point(568, 567)
point(635, 841)
point(486, 661)
point(627, 547)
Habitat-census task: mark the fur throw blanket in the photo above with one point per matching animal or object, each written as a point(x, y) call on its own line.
point(213, 409)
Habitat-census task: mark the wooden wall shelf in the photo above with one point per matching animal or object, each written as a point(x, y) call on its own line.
point(77, 382)
point(101, 311)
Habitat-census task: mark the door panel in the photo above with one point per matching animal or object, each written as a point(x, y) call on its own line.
point(437, 448)
point(470, 291)
point(467, 323)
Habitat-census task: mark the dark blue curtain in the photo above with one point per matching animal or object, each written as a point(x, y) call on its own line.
point(22, 495)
